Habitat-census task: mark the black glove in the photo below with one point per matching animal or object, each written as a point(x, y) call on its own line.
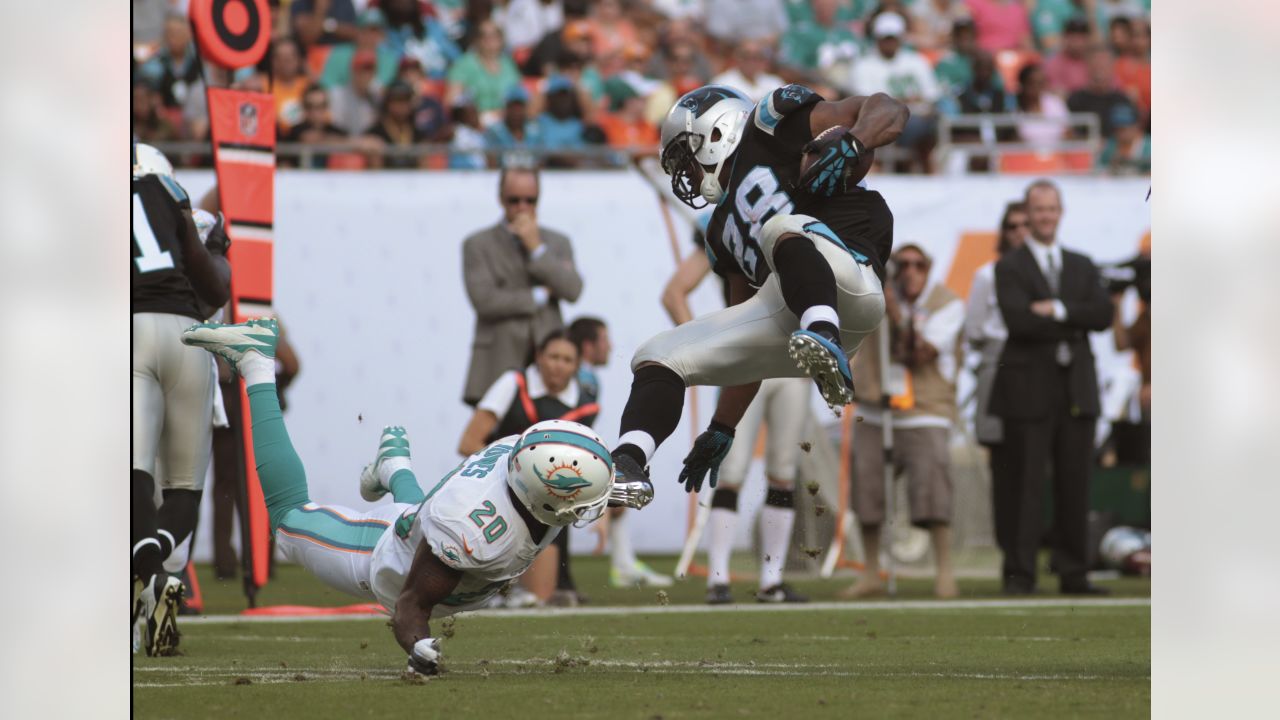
point(825, 177)
point(707, 454)
point(425, 657)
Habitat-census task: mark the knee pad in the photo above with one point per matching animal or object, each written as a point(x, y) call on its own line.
point(725, 498)
point(776, 227)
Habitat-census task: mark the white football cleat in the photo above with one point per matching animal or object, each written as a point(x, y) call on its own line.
point(638, 575)
point(236, 343)
point(394, 443)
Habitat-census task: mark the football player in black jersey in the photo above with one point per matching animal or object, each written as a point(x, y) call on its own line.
point(176, 280)
point(802, 254)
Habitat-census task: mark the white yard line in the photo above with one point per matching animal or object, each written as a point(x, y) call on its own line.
point(190, 675)
point(929, 605)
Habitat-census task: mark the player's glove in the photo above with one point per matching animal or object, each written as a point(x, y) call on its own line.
point(425, 658)
point(707, 454)
point(825, 177)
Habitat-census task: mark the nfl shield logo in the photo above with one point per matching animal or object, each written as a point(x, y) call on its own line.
point(248, 119)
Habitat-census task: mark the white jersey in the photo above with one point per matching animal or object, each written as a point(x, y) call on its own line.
point(470, 523)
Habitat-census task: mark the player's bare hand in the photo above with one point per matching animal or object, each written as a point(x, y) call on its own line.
point(709, 450)
point(525, 227)
point(1043, 308)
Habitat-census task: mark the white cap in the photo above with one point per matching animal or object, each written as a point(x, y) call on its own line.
point(889, 25)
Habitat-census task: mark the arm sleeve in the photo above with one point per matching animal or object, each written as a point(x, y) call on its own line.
point(555, 269)
point(491, 301)
point(942, 329)
point(498, 398)
point(975, 314)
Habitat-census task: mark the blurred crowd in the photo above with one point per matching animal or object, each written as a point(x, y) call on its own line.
point(484, 78)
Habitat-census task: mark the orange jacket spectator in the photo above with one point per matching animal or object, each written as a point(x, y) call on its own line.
point(611, 31)
point(288, 83)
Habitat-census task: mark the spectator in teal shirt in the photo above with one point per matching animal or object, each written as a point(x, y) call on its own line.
point(954, 69)
point(515, 130)
point(1128, 152)
point(485, 72)
point(560, 125)
point(820, 41)
point(1050, 17)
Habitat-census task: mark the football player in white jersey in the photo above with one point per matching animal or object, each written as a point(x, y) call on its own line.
point(427, 554)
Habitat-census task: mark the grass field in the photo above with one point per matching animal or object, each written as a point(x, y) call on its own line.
point(630, 656)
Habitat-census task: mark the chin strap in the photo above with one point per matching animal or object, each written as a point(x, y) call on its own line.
point(710, 185)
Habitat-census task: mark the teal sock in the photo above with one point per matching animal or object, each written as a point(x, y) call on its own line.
point(284, 481)
point(404, 487)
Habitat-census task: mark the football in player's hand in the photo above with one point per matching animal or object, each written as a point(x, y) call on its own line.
point(853, 173)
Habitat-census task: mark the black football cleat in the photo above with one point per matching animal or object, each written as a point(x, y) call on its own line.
point(719, 595)
point(631, 485)
point(780, 593)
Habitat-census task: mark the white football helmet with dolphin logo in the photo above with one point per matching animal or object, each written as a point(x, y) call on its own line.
point(562, 473)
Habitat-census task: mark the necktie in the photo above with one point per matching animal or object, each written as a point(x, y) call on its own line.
point(1063, 353)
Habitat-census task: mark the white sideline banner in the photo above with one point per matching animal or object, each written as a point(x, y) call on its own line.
point(369, 286)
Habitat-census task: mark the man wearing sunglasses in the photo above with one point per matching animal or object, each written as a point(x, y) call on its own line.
point(516, 274)
point(924, 320)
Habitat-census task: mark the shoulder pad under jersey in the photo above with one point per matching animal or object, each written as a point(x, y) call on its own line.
point(175, 190)
point(778, 104)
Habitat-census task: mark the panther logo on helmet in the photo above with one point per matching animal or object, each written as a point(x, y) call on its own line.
point(702, 130)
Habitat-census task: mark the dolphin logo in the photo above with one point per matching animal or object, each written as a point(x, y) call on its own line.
point(564, 481)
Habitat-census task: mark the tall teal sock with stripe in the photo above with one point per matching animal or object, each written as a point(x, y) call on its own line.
point(284, 481)
point(404, 487)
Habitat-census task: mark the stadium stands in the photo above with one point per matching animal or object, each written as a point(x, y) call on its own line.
point(435, 47)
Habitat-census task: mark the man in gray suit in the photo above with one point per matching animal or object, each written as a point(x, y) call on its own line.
point(516, 275)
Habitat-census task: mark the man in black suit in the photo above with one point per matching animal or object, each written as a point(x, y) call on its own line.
point(1046, 392)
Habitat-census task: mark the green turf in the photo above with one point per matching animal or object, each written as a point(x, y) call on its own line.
point(962, 662)
point(294, 586)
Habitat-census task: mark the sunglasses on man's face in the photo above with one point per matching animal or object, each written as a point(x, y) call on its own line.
point(908, 264)
point(518, 199)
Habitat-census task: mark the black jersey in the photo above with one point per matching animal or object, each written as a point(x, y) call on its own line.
point(764, 170)
point(158, 283)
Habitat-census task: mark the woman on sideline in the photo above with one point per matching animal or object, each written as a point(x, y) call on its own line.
point(546, 390)
point(985, 331)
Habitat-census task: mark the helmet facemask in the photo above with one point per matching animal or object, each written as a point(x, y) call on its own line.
point(680, 162)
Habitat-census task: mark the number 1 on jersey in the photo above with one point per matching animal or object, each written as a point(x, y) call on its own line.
point(152, 257)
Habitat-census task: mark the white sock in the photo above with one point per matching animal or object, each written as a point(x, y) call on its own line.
point(819, 313)
point(642, 440)
point(775, 540)
point(719, 544)
point(623, 556)
point(256, 369)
